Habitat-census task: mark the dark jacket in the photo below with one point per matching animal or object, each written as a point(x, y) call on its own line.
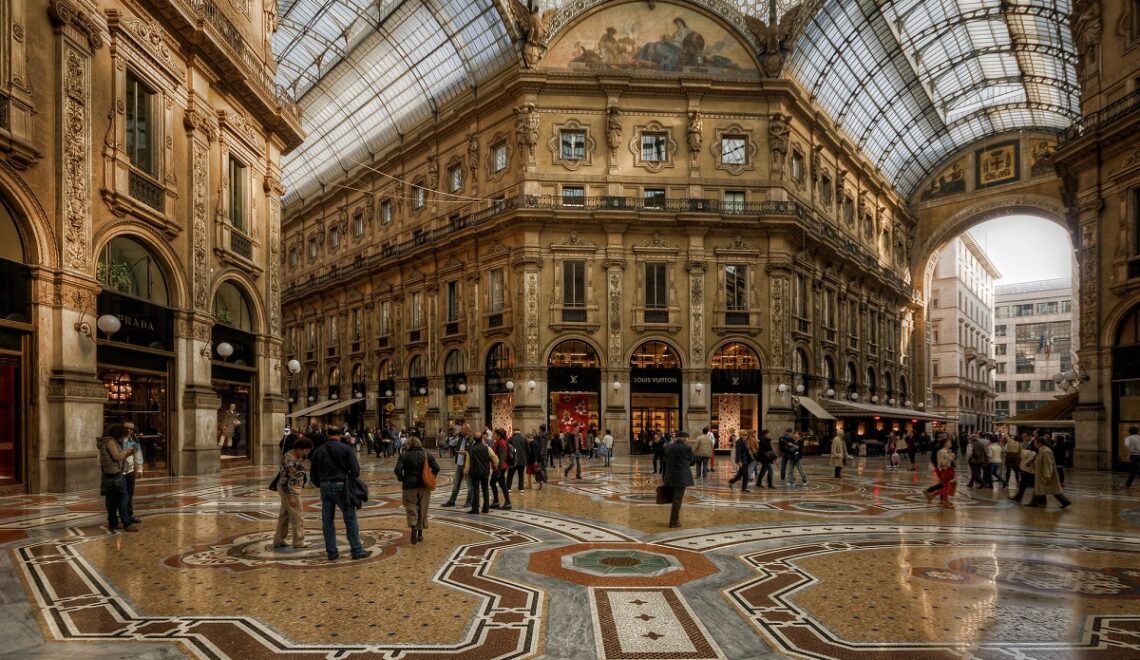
point(556, 444)
point(677, 474)
point(787, 445)
point(333, 461)
point(740, 452)
point(479, 458)
point(410, 467)
point(533, 452)
point(569, 442)
point(518, 443)
point(978, 453)
point(765, 455)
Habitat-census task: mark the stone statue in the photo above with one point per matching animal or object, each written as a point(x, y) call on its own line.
point(537, 29)
point(526, 128)
point(613, 129)
point(473, 158)
point(433, 172)
point(1086, 23)
point(696, 127)
point(779, 128)
point(816, 163)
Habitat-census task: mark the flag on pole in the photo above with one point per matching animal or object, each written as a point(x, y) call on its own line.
point(1041, 343)
point(1049, 346)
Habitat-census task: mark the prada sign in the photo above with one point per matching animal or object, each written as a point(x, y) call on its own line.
point(655, 380)
point(143, 323)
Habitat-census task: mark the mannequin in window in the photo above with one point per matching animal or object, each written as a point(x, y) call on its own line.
point(230, 424)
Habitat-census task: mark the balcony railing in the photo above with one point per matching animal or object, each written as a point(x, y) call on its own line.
point(1095, 121)
point(240, 244)
point(736, 318)
point(573, 314)
point(791, 208)
point(495, 320)
point(656, 316)
point(146, 191)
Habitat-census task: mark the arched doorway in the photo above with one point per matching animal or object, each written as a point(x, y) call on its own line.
point(736, 388)
point(418, 393)
point(574, 378)
point(851, 375)
point(136, 361)
point(359, 392)
point(385, 394)
point(455, 386)
point(655, 388)
point(498, 388)
point(1125, 385)
point(15, 337)
point(233, 369)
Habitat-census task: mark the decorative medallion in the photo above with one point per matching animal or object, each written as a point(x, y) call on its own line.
point(621, 562)
point(1037, 576)
point(249, 552)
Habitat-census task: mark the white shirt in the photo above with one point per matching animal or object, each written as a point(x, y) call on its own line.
point(608, 441)
point(1133, 444)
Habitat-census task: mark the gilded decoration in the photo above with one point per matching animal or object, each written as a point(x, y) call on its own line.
point(660, 156)
point(566, 157)
point(668, 38)
point(734, 149)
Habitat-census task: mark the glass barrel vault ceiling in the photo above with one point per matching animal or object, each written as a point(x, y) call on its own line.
point(910, 81)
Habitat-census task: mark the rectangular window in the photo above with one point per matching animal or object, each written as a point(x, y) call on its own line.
point(294, 258)
point(386, 212)
point(1001, 386)
point(1025, 366)
point(1066, 306)
point(418, 195)
point(1001, 367)
point(312, 336)
point(385, 318)
point(312, 248)
point(1000, 331)
point(140, 124)
point(573, 196)
point(499, 157)
point(654, 198)
point(573, 145)
point(334, 237)
point(358, 224)
point(829, 309)
point(495, 287)
point(417, 311)
point(656, 294)
point(934, 368)
point(853, 320)
point(356, 329)
point(574, 284)
point(654, 147)
point(1024, 386)
point(332, 331)
point(455, 178)
point(1047, 386)
point(873, 329)
point(452, 311)
point(736, 287)
point(1000, 349)
point(1047, 307)
point(733, 150)
point(237, 194)
point(734, 201)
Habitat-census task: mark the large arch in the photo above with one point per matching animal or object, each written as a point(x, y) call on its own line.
point(39, 239)
point(244, 284)
point(167, 261)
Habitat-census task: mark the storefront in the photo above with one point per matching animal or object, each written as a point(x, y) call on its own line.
point(417, 392)
point(385, 395)
point(655, 387)
point(15, 337)
point(135, 351)
point(1125, 386)
point(355, 415)
point(736, 390)
point(455, 388)
point(233, 370)
point(574, 381)
point(498, 388)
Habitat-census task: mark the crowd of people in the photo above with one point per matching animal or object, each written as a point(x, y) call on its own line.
point(489, 463)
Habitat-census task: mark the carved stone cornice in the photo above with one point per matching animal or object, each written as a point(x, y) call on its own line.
point(194, 120)
point(67, 14)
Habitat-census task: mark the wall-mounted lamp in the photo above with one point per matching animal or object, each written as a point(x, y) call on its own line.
point(891, 401)
point(921, 406)
point(422, 391)
point(616, 385)
point(854, 396)
point(224, 349)
point(334, 396)
point(781, 388)
point(699, 387)
point(108, 324)
point(530, 384)
point(293, 366)
point(829, 393)
point(908, 403)
point(875, 398)
point(463, 387)
point(800, 388)
point(510, 385)
point(311, 399)
point(388, 393)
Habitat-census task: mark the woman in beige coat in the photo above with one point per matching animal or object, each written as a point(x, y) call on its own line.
point(1048, 480)
point(838, 454)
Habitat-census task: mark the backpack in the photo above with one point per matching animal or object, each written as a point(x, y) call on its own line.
point(427, 477)
point(511, 453)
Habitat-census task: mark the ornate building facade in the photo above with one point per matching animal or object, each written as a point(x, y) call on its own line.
point(140, 145)
point(578, 245)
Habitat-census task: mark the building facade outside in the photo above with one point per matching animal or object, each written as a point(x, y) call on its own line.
point(962, 312)
point(139, 222)
point(638, 257)
point(1034, 326)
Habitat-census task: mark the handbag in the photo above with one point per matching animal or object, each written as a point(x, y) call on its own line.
point(276, 480)
point(664, 494)
point(427, 477)
point(111, 484)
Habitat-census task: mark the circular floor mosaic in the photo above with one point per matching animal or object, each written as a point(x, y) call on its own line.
point(255, 550)
point(621, 562)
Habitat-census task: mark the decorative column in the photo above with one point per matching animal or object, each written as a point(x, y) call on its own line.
point(270, 368)
point(780, 414)
point(529, 407)
point(1093, 438)
point(697, 413)
point(616, 414)
point(74, 410)
point(199, 451)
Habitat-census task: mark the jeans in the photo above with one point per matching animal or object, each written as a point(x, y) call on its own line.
point(658, 463)
point(1012, 469)
point(995, 473)
point(116, 504)
point(332, 498)
point(458, 483)
point(741, 474)
point(1135, 460)
point(129, 481)
point(765, 467)
point(784, 460)
point(476, 485)
point(702, 466)
point(797, 465)
point(609, 454)
point(1028, 479)
point(499, 480)
point(576, 463)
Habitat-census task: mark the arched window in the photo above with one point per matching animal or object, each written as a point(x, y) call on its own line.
point(416, 367)
point(852, 377)
point(736, 357)
point(334, 377)
point(574, 353)
point(1128, 332)
point(454, 364)
point(127, 267)
point(11, 243)
point(231, 307)
point(655, 355)
point(357, 373)
point(311, 380)
point(872, 382)
point(888, 385)
point(500, 359)
point(904, 391)
point(828, 373)
point(799, 368)
point(385, 370)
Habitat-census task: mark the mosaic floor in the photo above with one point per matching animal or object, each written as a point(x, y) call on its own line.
point(860, 567)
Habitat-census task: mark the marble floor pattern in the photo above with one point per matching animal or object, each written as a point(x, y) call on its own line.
point(858, 567)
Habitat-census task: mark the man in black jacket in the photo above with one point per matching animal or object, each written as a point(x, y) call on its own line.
point(480, 461)
point(332, 464)
point(677, 475)
point(518, 459)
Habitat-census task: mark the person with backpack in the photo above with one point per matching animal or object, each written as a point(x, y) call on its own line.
point(766, 457)
point(501, 449)
point(412, 472)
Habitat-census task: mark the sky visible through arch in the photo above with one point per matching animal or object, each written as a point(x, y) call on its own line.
point(1025, 248)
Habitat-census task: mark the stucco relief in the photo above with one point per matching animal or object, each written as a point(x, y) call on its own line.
point(697, 313)
point(201, 245)
point(76, 207)
point(779, 328)
point(615, 314)
point(274, 264)
point(1089, 274)
point(530, 288)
